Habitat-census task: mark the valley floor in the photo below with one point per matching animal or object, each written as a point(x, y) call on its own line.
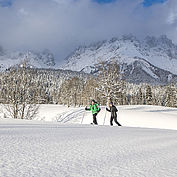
point(69, 149)
point(130, 116)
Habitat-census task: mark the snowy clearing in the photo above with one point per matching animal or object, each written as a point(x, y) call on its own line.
point(68, 149)
point(130, 116)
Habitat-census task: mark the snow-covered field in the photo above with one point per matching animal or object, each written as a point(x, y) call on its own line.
point(131, 116)
point(68, 149)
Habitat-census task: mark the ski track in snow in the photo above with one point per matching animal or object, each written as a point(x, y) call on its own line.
point(69, 115)
point(77, 151)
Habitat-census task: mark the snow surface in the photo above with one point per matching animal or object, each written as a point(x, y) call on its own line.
point(69, 149)
point(132, 116)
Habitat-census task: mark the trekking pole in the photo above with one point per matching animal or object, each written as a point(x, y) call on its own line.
point(83, 117)
point(118, 115)
point(104, 118)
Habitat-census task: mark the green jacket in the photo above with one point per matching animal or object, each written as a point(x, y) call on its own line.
point(95, 108)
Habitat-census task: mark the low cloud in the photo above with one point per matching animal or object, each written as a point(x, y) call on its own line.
point(62, 25)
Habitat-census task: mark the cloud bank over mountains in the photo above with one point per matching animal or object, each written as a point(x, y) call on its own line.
point(62, 25)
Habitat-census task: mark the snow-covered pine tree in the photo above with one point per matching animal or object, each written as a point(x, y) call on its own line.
point(139, 97)
point(170, 96)
point(109, 80)
point(148, 96)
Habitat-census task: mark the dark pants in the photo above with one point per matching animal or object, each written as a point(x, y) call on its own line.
point(94, 119)
point(115, 120)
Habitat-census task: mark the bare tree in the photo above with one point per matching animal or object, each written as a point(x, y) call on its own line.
point(71, 91)
point(21, 92)
point(90, 91)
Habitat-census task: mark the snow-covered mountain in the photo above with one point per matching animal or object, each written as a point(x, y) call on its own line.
point(44, 59)
point(151, 60)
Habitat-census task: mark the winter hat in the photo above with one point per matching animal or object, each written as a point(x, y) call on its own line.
point(93, 101)
point(111, 102)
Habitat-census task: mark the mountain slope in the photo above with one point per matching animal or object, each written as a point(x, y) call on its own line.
point(150, 60)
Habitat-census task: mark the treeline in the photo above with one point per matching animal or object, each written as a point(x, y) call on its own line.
point(23, 86)
point(23, 89)
point(109, 85)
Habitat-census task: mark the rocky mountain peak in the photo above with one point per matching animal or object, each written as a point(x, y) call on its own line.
point(150, 56)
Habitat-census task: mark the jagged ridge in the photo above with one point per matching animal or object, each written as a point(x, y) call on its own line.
point(152, 59)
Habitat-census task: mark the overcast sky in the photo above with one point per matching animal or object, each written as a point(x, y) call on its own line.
point(62, 25)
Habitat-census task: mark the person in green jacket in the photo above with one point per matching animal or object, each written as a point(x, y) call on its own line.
point(94, 107)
